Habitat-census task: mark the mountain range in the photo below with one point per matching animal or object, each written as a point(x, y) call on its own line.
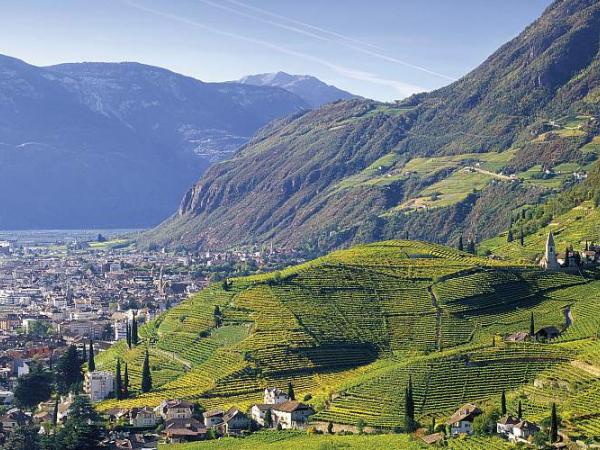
point(310, 89)
point(458, 161)
point(116, 144)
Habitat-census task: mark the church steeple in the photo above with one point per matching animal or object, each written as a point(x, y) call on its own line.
point(549, 261)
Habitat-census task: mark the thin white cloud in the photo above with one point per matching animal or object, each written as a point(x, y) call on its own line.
point(341, 39)
point(403, 89)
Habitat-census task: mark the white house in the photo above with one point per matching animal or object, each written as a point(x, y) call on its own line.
point(174, 409)
point(461, 422)
point(99, 385)
point(213, 417)
point(274, 396)
point(291, 414)
point(142, 417)
point(505, 425)
point(522, 430)
point(258, 412)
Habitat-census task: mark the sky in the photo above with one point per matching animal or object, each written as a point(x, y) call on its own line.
point(381, 49)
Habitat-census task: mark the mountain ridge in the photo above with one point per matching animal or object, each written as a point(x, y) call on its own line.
point(83, 131)
point(358, 170)
point(315, 92)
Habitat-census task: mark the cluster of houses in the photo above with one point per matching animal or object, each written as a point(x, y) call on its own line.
point(461, 423)
point(181, 423)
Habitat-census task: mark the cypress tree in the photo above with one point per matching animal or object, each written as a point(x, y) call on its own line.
point(509, 236)
point(503, 403)
point(126, 383)
point(55, 413)
point(128, 335)
point(268, 419)
point(84, 354)
point(409, 408)
point(520, 410)
point(134, 332)
point(531, 326)
point(91, 362)
point(118, 381)
point(290, 392)
point(218, 317)
point(554, 425)
point(521, 237)
point(146, 375)
point(460, 243)
point(566, 264)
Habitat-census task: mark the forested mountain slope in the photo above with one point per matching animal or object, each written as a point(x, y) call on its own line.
point(458, 160)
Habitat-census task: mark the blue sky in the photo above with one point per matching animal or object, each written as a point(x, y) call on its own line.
point(382, 49)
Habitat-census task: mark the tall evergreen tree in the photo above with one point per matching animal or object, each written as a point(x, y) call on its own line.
point(126, 383)
point(460, 245)
point(128, 337)
point(520, 410)
point(268, 419)
point(118, 381)
point(91, 361)
point(531, 326)
point(409, 408)
point(134, 331)
point(509, 236)
point(290, 392)
point(84, 357)
point(23, 438)
point(68, 370)
point(55, 413)
point(521, 237)
point(554, 425)
point(566, 263)
point(218, 316)
point(146, 375)
point(503, 403)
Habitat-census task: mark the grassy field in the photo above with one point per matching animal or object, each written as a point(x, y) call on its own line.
point(296, 440)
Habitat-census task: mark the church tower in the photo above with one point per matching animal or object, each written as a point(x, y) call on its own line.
point(549, 261)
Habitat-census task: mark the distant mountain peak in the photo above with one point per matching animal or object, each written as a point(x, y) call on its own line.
point(312, 90)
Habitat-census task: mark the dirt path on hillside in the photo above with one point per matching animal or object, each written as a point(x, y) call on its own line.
point(592, 370)
point(170, 355)
point(492, 174)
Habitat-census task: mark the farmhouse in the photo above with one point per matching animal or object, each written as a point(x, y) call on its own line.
point(234, 422)
point(174, 409)
point(291, 414)
point(258, 412)
point(461, 422)
point(182, 430)
point(213, 417)
point(142, 417)
point(515, 429)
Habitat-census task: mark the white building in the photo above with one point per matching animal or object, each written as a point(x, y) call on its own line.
point(99, 385)
point(461, 422)
point(120, 329)
point(550, 261)
point(274, 396)
point(291, 414)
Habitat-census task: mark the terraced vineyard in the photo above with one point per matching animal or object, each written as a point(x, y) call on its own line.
point(350, 327)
